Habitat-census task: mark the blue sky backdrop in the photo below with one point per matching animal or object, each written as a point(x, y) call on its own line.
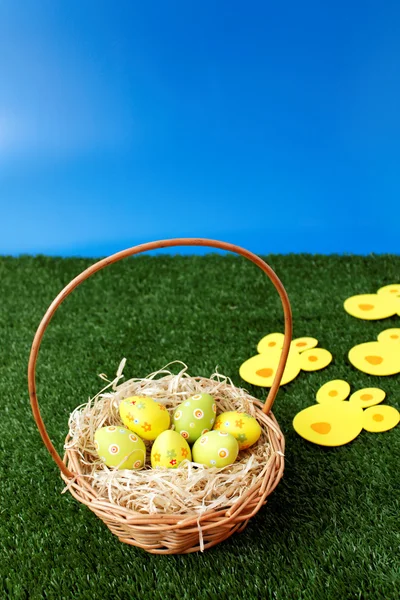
point(275, 125)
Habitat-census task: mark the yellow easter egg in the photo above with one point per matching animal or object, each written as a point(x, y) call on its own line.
point(215, 449)
point(370, 306)
point(315, 359)
point(375, 358)
point(144, 416)
point(330, 423)
point(169, 450)
point(119, 447)
point(244, 428)
point(381, 418)
point(261, 369)
point(336, 390)
point(367, 397)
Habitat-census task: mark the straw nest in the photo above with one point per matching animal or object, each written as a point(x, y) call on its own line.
point(191, 489)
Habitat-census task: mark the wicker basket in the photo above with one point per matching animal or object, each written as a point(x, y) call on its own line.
point(169, 533)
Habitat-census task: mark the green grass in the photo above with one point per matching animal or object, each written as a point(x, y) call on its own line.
point(329, 531)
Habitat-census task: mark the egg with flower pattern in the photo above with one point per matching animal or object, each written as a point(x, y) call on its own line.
point(242, 426)
point(119, 447)
point(169, 450)
point(195, 416)
point(144, 416)
point(215, 449)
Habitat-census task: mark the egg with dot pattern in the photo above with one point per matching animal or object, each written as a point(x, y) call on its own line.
point(119, 447)
point(195, 416)
point(215, 449)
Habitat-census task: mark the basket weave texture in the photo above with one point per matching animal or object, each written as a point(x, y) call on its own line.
point(163, 532)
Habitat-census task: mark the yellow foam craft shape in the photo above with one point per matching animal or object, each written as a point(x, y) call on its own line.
point(375, 358)
point(303, 343)
point(272, 341)
point(315, 359)
point(391, 336)
point(380, 418)
point(336, 390)
point(329, 424)
point(371, 306)
point(393, 290)
point(367, 397)
point(261, 369)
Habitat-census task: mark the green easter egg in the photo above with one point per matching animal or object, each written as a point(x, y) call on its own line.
point(195, 416)
point(119, 447)
point(215, 449)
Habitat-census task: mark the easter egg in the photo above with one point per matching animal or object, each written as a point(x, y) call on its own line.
point(242, 426)
point(144, 416)
point(119, 447)
point(215, 449)
point(169, 450)
point(195, 416)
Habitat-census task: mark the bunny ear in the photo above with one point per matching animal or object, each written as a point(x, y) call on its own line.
point(315, 359)
point(303, 343)
point(272, 341)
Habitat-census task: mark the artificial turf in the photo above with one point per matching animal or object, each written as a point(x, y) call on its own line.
point(329, 531)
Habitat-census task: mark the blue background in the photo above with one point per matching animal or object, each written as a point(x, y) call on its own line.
point(274, 125)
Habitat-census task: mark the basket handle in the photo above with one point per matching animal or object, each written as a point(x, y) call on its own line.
point(130, 252)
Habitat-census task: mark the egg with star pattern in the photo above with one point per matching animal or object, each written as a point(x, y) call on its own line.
point(244, 428)
point(144, 416)
point(169, 450)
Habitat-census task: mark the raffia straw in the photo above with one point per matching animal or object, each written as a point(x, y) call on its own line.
point(189, 490)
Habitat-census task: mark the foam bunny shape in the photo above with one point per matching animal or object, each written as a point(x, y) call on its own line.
point(303, 355)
